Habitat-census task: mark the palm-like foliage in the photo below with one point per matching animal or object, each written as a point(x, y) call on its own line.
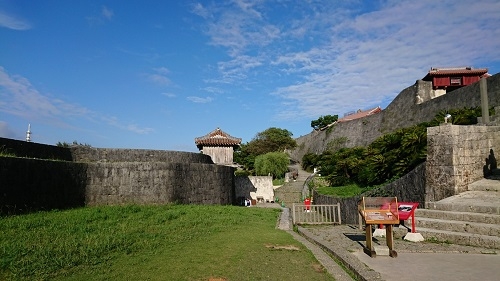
point(388, 157)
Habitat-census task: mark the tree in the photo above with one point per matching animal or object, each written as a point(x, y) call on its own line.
point(270, 140)
point(323, 121)
point(75, 143)
point(273, 163)
point(309, 161)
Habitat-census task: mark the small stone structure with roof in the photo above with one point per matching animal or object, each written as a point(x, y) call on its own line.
point(219, 145)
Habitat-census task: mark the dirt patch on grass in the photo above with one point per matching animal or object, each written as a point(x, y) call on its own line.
point(285, 247)
point(318, 268)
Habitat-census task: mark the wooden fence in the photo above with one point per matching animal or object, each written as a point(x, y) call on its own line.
point(316, 214)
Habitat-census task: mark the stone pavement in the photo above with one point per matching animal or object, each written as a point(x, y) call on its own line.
point(415, 260)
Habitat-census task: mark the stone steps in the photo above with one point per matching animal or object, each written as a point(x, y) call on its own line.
point(486, 202)
point(458, 216)
point(469, 218)
point(461, 238)
point(470, 227)
point(490, 184)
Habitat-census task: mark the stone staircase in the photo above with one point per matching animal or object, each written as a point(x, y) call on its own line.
point(291, 192)
point(469, 218)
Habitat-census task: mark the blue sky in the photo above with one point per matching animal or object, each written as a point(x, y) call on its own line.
point(157, 74)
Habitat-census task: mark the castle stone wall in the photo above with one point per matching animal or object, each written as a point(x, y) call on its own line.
point(158, 183)
point(28, 185)
point(99, 176)
point(90, 154)
point(34, 150)
point(404, 111)
point(456, 156)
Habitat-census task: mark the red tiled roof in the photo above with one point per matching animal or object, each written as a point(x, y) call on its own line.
point(360, 114)
point(217, 138)
point(456, 71)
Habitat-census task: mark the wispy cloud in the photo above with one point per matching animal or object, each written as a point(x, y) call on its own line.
point(107, 13)
point(20, 98)
point(199, 99)
point(169, 95)
point(213, 90)
point(335, 57)
point(6, 131)
point(159, 76)
point(11, 22)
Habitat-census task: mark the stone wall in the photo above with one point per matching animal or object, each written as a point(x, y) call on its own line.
point(28, 185)
point(358, 132)
point(158, 183)
point(99, 176)
point(409, 188)
point(253, 187)
point(91, 154)
point(456, 156)
point(404, 111)
point(34, 150)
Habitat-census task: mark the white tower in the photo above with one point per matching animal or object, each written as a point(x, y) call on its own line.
point(28, 133)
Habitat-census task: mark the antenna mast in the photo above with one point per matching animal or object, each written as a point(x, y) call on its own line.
point(28, 133)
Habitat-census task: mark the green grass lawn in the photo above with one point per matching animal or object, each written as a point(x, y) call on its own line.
point(169, 242)
point(342, 191)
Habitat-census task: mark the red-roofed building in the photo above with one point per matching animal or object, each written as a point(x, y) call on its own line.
point(450, 79)
point(360, 114)
point(219, 145)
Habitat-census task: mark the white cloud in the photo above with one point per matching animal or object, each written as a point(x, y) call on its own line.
point(20, 98)
point(107, 13)
point(11, 22)
point(334, 57)
point(104, 15)
point(169, 95)
point(199, 99)
point(213, 90)
point(199, 10)
point(6, 131)
point(160, 76)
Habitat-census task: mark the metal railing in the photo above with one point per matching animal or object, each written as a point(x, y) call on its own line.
point(316, 214)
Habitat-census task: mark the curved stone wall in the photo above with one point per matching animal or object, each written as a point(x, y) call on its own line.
point(91, 154)
point(107, 177)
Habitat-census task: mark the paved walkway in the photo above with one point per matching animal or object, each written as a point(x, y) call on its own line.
point(415, 261)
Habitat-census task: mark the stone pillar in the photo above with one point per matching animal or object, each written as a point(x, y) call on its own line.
point(483, 88)
point(439, 170)
point(456, 157)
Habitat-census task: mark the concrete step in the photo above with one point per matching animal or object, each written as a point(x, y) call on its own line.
point(465, 227)
point(457, 216)
point(461, 238)
point(463, 208)
point(485, 185)
point(487, 202)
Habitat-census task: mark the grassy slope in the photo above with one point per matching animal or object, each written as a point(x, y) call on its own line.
point(171, 242)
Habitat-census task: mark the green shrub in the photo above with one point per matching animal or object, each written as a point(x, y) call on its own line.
point(272, 163)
